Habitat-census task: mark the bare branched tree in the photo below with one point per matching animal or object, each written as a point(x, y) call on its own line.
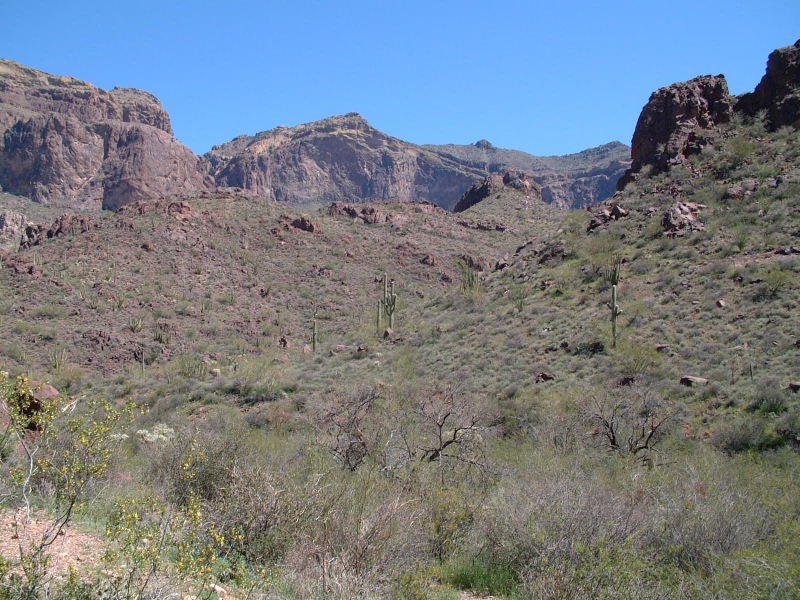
point(632, 423)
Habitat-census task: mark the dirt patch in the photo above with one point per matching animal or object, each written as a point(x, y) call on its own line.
point(72, 549)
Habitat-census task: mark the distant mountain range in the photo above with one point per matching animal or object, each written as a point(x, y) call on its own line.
point(68, 143)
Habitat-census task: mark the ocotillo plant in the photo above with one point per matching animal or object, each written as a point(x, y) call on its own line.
point(611, 274)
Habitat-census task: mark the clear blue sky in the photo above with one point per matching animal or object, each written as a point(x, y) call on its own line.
point(544, 77)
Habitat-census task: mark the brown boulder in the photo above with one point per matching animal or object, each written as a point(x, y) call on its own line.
point(305, 224)
point(604, 213)
point(692, 380)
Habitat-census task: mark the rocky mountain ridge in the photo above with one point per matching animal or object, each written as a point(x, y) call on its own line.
point(68, 143)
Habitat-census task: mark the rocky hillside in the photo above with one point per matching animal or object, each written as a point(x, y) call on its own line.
point(68, 143)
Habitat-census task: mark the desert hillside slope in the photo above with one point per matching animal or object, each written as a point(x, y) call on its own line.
point(238, 398)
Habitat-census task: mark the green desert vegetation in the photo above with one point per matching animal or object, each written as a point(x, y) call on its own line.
point(509, 439)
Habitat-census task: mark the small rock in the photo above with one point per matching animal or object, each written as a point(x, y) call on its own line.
point(691, 380)
point(544, 376)
point(794, 386)
point(388, 333)
point(429, 259)
point(662, 347)
point(307, 349)
point(721, 303)
point(305, 224)
point(502, 263)
point(215, 372)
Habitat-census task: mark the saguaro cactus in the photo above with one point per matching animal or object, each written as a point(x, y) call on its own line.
point(388, 304)
point(611, 274)
point(314, 331)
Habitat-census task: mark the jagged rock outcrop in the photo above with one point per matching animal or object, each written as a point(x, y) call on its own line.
point(35, 233)
point(495, 184)
point(778, 93)
point(68, 143)
point(671, 123)
point(605, 213)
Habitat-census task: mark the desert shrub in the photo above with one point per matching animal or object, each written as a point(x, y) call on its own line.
point(768, 397)
point(746, 433)
point(193, 463)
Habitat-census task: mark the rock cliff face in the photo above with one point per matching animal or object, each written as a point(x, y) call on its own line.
point(779, 90)
point(67, 143)
point(345, 159)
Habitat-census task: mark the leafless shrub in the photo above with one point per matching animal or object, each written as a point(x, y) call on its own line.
point(628, 422)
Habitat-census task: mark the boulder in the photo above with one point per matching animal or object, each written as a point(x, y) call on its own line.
point(682, 218)
point(603, 213)
point(692, 380)
point(305, 224)
point(12, 226)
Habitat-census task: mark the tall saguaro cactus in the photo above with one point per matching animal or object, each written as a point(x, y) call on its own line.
point(314, 331)
point(388, 304)
point(611, 275)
